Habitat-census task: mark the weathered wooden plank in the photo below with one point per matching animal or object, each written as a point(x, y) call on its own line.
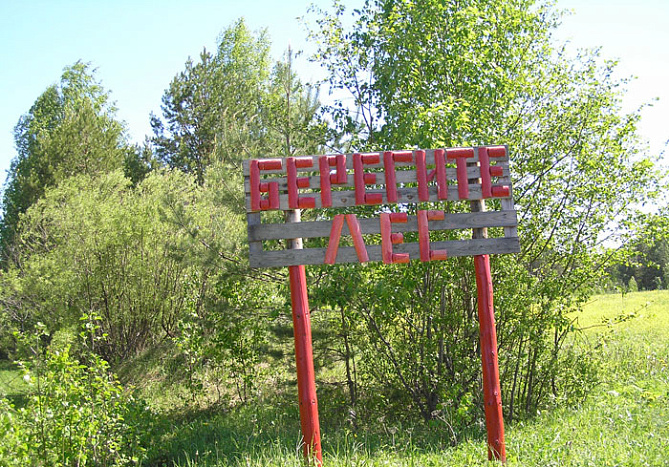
point(253, 221)
point(485, 246)
point(479, 207)
point(429, 159)
point(315, 229)
point(341, 199)
point(507, 203)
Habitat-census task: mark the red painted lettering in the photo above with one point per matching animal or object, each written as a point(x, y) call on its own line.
point(335, 236)
point(391, 179)
point(461, 156)
point(295, 182)
point(440, 169)
point(426, 254)
point(340, 177)
point(388, 239)
point(421, 175)
point(326, 190)
point(361, 179)
point(484, 165)
point(257, 188)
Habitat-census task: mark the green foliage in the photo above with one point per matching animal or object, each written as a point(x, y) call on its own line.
point(99, 244)
point(158, 261)
point(220, 337)
point(158, 256)
point(93, 244)
point(485, 73)
point(628, 406)
point(231, 106)
point(77, 413)
point(647, 254)
point(71, 129)
point(290, 112)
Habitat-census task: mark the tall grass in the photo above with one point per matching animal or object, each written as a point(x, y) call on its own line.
point(624, 422)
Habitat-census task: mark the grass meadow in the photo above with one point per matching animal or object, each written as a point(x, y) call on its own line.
point(623, 422)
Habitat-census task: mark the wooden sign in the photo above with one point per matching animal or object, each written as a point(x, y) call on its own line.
point(395, 183)
point(409, 192)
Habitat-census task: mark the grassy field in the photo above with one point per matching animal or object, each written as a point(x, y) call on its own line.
point(624, 422)
point(11, 383)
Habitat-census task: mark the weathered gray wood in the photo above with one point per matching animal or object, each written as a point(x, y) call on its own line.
point(477, 206)
point(454, 248)
point(293, 217)
point(317, 229)
point(341, 199)
point(507, 203)
point(344, 196)
point(252, 222)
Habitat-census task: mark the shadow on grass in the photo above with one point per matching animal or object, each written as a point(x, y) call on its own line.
point(216, 433)
point(12, 386)
point(219, 436)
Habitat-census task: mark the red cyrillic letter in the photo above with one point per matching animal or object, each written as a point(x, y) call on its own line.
point(497, 171)
point(388, 239)
point(421, 175)
point(326, 191)
point(440, 169)
point(335, 236)
point(424, 236)
point(294, 200)
point(257, 201)
point(361, 179)
point(484, 164)
point(461, 156)
point(391, 180)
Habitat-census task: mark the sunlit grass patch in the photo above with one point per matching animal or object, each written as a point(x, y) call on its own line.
point(12, 384)
point(638, 312)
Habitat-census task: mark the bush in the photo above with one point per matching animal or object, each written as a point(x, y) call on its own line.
point(77, 414)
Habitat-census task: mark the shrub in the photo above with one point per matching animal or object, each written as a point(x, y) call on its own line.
point(77, 412)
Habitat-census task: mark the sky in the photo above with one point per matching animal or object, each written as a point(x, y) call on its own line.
point(138, 46)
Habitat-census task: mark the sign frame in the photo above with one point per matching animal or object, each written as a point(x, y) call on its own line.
point(397, 184)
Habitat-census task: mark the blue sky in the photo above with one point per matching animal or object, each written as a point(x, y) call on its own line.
point(138, 46)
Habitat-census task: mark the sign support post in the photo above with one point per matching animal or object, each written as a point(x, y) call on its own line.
point(492, 392)
point(304, 358)
point(492, 397)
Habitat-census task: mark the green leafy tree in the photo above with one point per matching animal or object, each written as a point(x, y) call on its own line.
point(159, 261)
point(433, 74)
point(71, 129)
point(218, 97)
point(96, 244)
point(231, 105)
point(646, 254)
point(291, 112)
point(632, 285)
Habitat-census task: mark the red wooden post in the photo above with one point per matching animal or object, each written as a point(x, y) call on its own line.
point(304, 357)
point(491, 388)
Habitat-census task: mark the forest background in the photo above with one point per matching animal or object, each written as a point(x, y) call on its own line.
point(116, 253)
